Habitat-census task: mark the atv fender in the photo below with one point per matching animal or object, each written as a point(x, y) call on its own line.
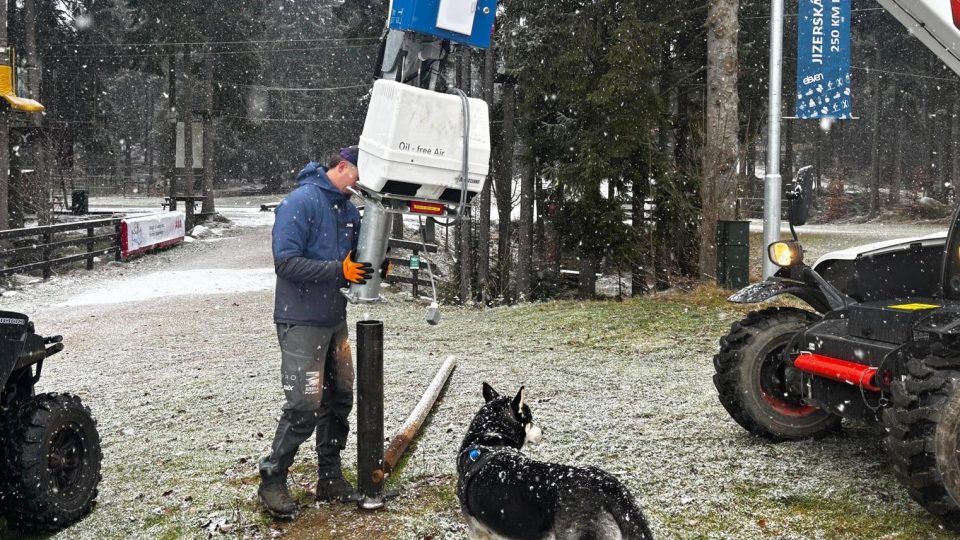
point(775, 286)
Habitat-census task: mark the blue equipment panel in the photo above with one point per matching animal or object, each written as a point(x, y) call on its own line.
point(447, 19)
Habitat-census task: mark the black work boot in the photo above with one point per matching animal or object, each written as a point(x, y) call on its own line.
point(336, 488)
point(276, 498)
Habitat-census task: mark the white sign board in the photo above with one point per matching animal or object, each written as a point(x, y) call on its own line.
point(197, 137)
point(141, 234)
point(457, 16)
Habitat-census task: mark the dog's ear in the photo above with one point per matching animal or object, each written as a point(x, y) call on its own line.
point(489, 393)
point(518, 401)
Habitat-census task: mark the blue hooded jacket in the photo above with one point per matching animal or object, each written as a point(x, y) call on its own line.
point(316, 226)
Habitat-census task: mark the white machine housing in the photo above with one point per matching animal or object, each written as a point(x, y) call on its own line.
point(412, 144)
point(933, 22)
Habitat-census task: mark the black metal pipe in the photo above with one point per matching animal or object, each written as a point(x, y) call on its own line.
point(370, 413)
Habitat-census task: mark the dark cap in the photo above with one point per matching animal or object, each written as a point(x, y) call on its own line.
point(350, 153)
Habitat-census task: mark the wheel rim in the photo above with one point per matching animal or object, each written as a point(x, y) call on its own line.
point(65, 461)
point(773, 386)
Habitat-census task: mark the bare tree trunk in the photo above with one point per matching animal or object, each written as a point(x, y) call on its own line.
point(465, 245)
point(942, 130)
point(40, 190)
point(525, 256)
point(788, 158)
point(818, 150)
point(876, 156)
point(929, 119)
point(955, 146)
point(539, 226)
point(551, 237)
point(185, 109)
point(483, 241)
point(504, 187)
point(466, 67)
point(127, 159)
point(587, 286)
point(396, 229)
point(897, 180)
point(719, 187)
point(147, 131)
point(587, 262)
point(209, 137)
point(4, 151)
point(171, 133)
point(638, 279)
point(834, 139)
point(658, 239)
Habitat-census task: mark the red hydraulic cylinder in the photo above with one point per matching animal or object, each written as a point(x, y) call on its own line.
point(838, 370)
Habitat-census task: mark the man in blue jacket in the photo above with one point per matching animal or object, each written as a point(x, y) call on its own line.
point(314, 236)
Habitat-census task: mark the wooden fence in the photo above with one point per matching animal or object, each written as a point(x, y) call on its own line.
point(400, 262)
point(41, 248)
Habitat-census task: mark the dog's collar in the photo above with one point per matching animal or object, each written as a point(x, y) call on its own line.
point(491, 438)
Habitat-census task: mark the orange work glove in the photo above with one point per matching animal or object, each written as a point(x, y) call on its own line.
point(356, 272)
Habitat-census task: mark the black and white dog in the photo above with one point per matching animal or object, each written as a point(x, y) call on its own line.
point(506, 495)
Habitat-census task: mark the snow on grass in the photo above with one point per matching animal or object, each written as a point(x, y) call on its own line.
point(187, 392)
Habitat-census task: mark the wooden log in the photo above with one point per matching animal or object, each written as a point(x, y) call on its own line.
point(405, 435)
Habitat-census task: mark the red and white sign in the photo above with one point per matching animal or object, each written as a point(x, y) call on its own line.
point(141, 234)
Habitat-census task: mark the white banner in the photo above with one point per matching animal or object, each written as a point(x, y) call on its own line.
point(140, 234)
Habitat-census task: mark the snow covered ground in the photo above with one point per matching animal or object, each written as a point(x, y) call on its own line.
point(879, 229)
point(242, 211)
point(159, 285)
point(177, 356)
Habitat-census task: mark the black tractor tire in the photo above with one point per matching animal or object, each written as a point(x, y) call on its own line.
point(51, 465)
point(922, 427)
point(5, 429)
point(750, 381)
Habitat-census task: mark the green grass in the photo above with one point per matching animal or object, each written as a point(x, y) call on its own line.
point(627, 325)
point(831, 516)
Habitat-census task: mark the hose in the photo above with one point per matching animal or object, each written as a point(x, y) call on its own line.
point(465, 170)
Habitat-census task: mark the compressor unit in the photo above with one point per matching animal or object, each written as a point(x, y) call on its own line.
point(421, 152)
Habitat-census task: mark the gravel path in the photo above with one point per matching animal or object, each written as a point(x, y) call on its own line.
point(186, 390)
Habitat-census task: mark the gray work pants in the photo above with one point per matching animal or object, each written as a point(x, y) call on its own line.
point(317, 378)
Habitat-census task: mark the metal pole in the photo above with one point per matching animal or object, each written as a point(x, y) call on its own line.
point(371, 248)
point(4, 130)
point(370, 414)
point(415, 272)
point(772, 180)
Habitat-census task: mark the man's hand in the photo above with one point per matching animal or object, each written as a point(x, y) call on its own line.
point(356, 272)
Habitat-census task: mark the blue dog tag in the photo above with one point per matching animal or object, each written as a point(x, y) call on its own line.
point(474, 454)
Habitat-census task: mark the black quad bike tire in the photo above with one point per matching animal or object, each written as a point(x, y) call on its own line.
point(923, 429)
point(749, 377)
point(51, 463)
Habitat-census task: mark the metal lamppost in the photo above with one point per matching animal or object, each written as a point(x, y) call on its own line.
point(772, 180)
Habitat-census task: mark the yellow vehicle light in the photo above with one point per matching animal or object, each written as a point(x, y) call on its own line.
point(785, 254)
